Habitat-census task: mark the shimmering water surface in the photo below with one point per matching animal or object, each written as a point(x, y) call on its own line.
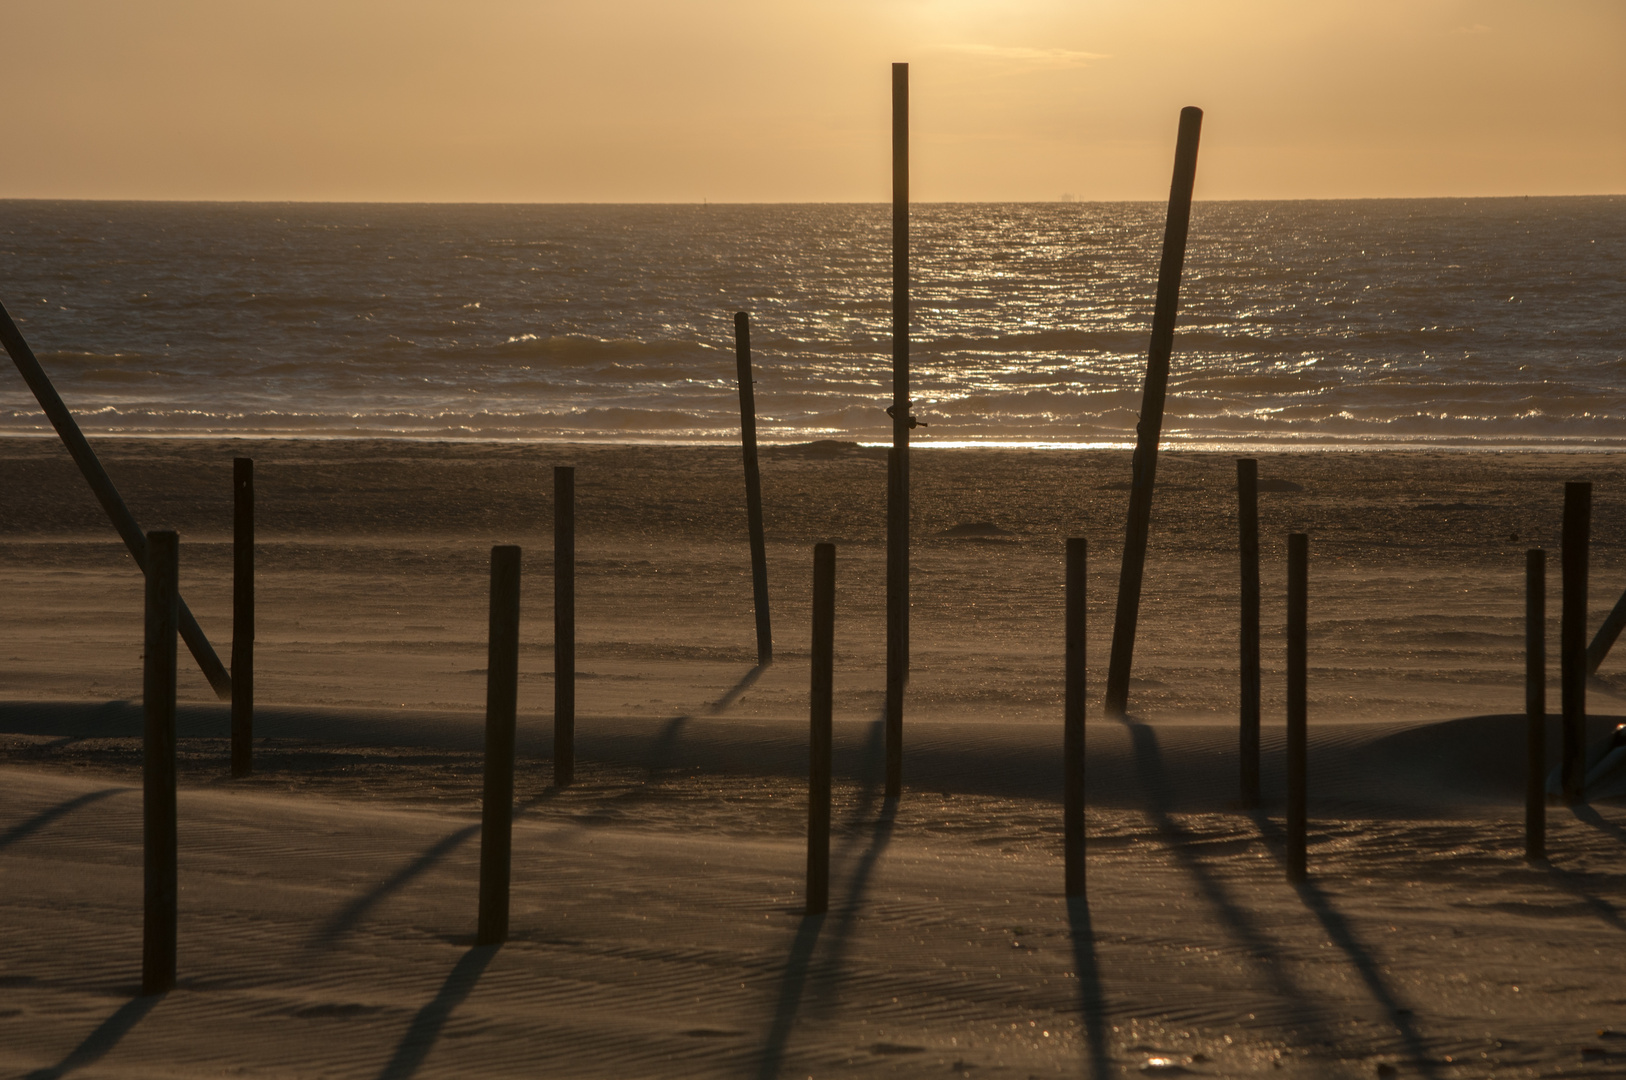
point(1483, 322)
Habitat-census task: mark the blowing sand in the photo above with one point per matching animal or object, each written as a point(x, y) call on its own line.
point(327, 904)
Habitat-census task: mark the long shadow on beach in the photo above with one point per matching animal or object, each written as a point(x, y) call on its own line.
point(1574, 882)
point(24, 829)
point(104, 1038)
point(424, 1031)
point(1091, 998)
point(1153, 782)
point(799, 965)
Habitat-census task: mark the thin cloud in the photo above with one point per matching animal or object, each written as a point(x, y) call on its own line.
point(1023, 56)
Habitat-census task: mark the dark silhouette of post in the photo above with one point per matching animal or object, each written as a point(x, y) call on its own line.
point(1605, 638)
point(106, 494)
point(159, 844)
point(1535, 704)
point(1150, 428)
point(242, 617)
point(502, 702)
point(1072, 749)
point(564, 625)
point(1572, 671)
point(753, 487)
point(1247, 498)
point(821, 697)
point(897, 489)
point(1298, 739)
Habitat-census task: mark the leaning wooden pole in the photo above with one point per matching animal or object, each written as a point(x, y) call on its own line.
point(242, 618)
point(897, 503)
point(1572, 636)
point(160, 920)
point(753, 487)
point(1247, 497)
point(1535, 704)
point(106, 494)
point(1072, 750)
point(502, 699)
point(1607, 634)
point(1150, 428)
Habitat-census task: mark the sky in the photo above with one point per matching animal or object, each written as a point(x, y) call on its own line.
point(789, 101)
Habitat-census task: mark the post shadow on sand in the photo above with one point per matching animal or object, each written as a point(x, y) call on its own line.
point(799, 966)
point(424, 1031)
point(1153, 782)
point(24, 829)
point(1092, 1001)
point(1574, 882)
point(106, 1036)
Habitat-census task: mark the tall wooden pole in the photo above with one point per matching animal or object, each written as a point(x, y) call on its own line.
point(1150, 428)
point(1247, 497)
point(242, 617)
point(1572, 636)
point(564, 625)
point(753, 486)
point(159, 843)
point(897, 510)
point(106, 494)
point(1535, 704)
point(502, 699)
point(819, 736)
point(1298, 738)
point(1072, 750)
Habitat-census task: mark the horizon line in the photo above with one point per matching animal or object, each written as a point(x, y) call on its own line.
point(790, 202)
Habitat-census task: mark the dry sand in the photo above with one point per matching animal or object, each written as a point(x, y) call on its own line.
point(327, 904)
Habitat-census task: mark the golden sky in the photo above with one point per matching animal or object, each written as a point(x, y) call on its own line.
point(784, 100)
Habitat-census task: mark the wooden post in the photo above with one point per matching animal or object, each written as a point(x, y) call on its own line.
point(753, 487)
point(1150, 428)
point(242, 618)
point(1247, 495)
point(502, 700)
point(897, 502)
point(159, 914)
point(821, 697)
point(564, 625)
point(1298, 560)
point(1072, 751)
point(106, 494)
point(1535, 704)
point(1572, 636)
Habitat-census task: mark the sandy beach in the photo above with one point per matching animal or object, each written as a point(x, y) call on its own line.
point(327, 903)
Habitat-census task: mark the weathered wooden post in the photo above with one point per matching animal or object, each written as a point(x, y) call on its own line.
point(753, 487)
point(502, 702)
point(159, 843)
point(1150, 428)
point(242, 617)
point(1072, 751)
point(897, 502)
point(1247, 495)
point(1298, 561)
point(1535, 704)
point(1572, 636)
point(821, 697)
point(564, 625)
point(106, 494)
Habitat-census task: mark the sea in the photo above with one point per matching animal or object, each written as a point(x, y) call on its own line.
point(1394, 322)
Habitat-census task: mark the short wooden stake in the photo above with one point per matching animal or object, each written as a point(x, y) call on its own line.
point(502, 701)
point(1247, 497)
point(242, 620)
point(1072, 751)
point(821, 697)
point(753, 487)
point(1572, 636)
point(564, 625)
point(1535, 704)
point(1298, 560)
point(159, 843)
point(1147, 433)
